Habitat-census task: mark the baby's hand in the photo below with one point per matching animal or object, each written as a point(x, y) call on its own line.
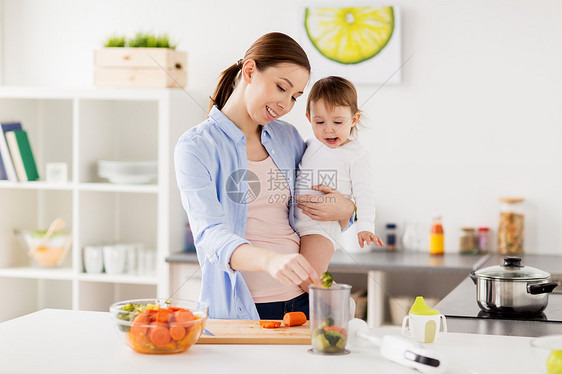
point(366, 236)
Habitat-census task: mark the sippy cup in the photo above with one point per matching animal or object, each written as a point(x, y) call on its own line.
point(423, 323)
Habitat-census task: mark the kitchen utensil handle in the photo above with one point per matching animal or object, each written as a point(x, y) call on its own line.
point(538, 288)
point(404, 321)
point(473, 276)
point(444, 323)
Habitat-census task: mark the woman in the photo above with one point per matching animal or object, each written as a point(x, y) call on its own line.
point(236, 175)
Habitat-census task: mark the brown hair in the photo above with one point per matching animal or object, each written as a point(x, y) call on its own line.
point(335, 91)
point(269, 50)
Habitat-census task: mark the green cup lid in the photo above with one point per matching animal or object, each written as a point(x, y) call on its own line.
point(421, 308)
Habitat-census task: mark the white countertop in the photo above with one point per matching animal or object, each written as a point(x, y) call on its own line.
point(62, 341)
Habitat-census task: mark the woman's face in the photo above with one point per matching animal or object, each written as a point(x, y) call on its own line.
point(271, 93)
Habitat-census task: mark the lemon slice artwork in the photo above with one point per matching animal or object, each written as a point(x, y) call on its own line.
point(349, 35)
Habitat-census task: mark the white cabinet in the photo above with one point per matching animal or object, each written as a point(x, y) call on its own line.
point(79, 128)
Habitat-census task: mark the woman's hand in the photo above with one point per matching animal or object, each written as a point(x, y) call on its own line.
point(366, 236)
point(291, 269)
point(332, 206)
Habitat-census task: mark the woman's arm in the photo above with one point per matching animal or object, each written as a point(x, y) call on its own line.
point(214, 236)
point(287, 268)
point(332, 206)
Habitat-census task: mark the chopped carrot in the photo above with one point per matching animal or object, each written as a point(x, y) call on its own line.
point(139, 324)
point(270, 324)
point(294, 319)
point(332, 328)
point(183, 316)
point(163, 315)
point(177, 332)
point(159, 334)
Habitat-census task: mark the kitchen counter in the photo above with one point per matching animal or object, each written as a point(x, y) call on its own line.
point(380, 260)
point(61, 341)
point(376, 265)
point(460, 308)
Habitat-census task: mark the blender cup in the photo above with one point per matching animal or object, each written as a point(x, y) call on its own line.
point(329, 318)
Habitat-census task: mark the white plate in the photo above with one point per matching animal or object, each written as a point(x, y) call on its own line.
point(131, 179)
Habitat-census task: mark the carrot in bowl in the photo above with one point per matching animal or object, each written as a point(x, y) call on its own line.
point(294, 319)
point(159, 334)
point(177, 332)
point(183, 316)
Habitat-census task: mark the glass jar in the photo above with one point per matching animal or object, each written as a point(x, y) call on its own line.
point(511, 226)
point(483, 239)
point(468, 241)
point(391, 236)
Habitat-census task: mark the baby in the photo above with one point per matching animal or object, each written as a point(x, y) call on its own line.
point(332, 158)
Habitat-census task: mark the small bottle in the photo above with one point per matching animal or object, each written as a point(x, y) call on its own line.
point(391, 236)
point(468, 241)
point(436, 238)
point(483, 239)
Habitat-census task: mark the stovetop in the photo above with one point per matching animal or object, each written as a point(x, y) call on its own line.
point(461, 303)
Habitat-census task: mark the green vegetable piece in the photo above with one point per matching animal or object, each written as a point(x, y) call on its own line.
point(340, 345)
point(320, 343)
point(329, 321)
point(326, 280)
point(334, 337)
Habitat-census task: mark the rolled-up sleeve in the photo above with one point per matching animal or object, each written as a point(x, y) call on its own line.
point(211, 232)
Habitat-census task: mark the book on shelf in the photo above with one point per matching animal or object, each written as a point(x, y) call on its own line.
point(3, 175)
point(22, 156)
point(6, 158)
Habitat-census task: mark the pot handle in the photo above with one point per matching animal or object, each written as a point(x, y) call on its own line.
point(473, 276)
point(538, 288)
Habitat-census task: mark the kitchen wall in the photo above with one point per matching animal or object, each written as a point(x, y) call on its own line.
point(477, 115)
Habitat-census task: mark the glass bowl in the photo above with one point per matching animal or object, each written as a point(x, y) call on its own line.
point(547, 351)
point(159, 326)
point(50, 253)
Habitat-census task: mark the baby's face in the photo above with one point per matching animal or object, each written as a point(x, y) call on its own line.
point(331, 127)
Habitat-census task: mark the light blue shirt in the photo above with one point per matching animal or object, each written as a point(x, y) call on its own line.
point(211, 162)
point(207, 158)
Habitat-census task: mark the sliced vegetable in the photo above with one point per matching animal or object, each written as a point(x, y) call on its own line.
point(160, 330)
point(326, 280)
point(183, 316)
point(163, 315)
point(159, 334)
point(294, 319)
point(270, 324)
point(177, 332)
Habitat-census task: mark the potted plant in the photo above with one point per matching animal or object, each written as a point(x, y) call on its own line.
point(147, 60)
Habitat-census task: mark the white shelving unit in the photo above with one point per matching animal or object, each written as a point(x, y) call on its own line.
point(80, 127)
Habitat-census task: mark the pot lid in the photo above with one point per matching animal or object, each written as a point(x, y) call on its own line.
point(511, 269)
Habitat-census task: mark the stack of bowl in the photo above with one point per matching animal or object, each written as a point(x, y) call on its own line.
point(128, 172)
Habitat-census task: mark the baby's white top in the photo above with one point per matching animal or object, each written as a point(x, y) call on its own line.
point(346, 169)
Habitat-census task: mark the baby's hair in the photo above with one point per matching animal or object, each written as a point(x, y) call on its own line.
point(335, 91)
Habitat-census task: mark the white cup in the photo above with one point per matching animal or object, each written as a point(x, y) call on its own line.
point(424, 328)
point(132, 257)
point(93, 259)
point(114, 258)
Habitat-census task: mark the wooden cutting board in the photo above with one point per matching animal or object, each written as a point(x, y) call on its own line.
point(237, 331)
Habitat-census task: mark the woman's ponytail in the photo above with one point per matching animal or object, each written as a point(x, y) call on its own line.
point(227, 82)
point(269, 50)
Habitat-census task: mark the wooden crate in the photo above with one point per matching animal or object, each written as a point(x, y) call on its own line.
point(155, 78)
point(140, 67)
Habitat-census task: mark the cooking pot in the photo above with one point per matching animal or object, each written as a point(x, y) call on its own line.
point(512, 288)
